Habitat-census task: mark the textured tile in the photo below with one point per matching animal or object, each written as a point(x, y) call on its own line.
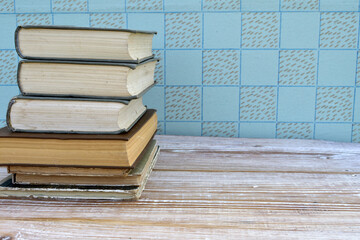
point(260, 30)
point(300, 30)
point(336, 5)
point(8, 67)
point(299, 5)
point(107, 6)
point(334, 104)
point(183, 30)
point(183, 103)
point(69, 5)
point(183, 67)
point(183, 128)
point(183, 5)
point(149, 22)
point(154, 99)
point(6, 93)
point(357, 106)
point(160, 128)
point(221, 67)
point(34, 19)
point(7, 28)
point(258, 104)
point(221, 104)
point(356, 133)
point(79, 20)
point(358, 69)
point(337, 68)
point(260, 5)
point(144, 5)
point(289, 97)
point(257, 130)
point(6, 6)
point(295, 130)
point(339, 30)
point(221, 5)
point(2, 123)
point(222, 24)
point(159, 69)
point(26, 6)
point(250, 62)
point(220, 129)
point(298, 67)
point(108, 20)
point(333, 132)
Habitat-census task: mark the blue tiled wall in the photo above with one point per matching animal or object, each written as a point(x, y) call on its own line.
point(234, 68)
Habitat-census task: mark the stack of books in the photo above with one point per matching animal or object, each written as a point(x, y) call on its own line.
point(79, 129)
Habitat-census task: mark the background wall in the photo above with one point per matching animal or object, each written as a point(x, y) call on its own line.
point(255, 68)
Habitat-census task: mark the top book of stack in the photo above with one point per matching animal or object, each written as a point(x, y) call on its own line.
point(83, 44)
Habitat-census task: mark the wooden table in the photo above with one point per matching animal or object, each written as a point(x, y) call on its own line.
point(216, 188)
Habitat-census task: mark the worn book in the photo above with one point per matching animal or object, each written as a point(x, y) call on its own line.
point(117, 193)
point(77, 150)
point(83, 43)
point(85, 79)
point(73, 115)
point(133, 178)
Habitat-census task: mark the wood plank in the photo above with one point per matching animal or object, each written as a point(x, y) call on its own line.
point(290, 189)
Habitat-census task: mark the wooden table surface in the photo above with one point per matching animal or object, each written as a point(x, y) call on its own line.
point(215, 188)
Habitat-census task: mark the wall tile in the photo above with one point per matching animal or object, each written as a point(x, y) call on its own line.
point(183, 30)
point(108, 20)
point(250, 62)
point(298, 67)
point(8, 67)
point(357, 106)
point(107, 5)
point(289, 97)
point(6, 93)
point(69, 5)
point(34, 19)
point(183, 103)
point(259, 5)
point(159, 69)
point(221, 24)
point(299, 5)
point(258, 104)
point(144, 5)
point(334, 104)
point(339, 30)
point(26, 6)
point(221, 104)
point(79, 20)
point(333, 132)
point(220, 129)
point(356, 133)
point(257, 130)
point(221, 67)
point(7, 6)
point(2, 123)
point(335, 5)
point(221, 5)
point(300, 30)
point(337, 68)
point(295, 130)
point(7, 28)
point(183, 5)
point(358, 69)
point(183, 67)
point(183, 128)
point(160, 128)
point(260, 30)
point(154, 99)
point(149, 22)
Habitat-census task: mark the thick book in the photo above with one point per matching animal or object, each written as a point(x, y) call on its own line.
point(134, 178)
point(85, 79)
point(77, 150)
point(83, 43)
point(73, 115)
point(117, 193)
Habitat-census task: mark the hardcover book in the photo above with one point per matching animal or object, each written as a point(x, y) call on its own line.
point(83, 43)
point(77, 150)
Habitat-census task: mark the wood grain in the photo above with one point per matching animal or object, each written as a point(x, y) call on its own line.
point(215, 188)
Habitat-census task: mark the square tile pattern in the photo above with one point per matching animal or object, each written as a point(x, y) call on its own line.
point(228, 68)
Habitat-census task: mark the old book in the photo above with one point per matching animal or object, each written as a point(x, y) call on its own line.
point(83, 43)
point(85, 79)
point(73, 115)
point(116, 193)
point(77, 150)
point(134, 178)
